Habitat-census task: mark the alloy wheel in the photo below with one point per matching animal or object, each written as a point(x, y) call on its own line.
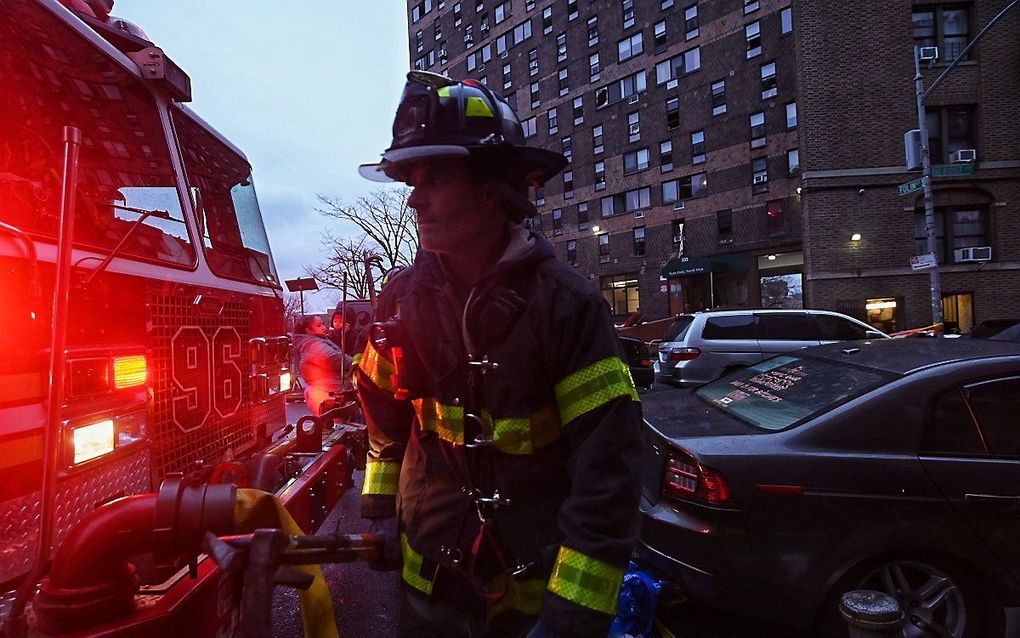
point(931, 599)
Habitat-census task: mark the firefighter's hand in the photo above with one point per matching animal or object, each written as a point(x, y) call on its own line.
point(386, 529)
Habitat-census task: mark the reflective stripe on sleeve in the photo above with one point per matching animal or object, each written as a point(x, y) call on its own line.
point(591, 387)
point(445, 420)
point(378, 368)
point(587, 581)
point(418, 571)
point(381, 478)
point(513, 435)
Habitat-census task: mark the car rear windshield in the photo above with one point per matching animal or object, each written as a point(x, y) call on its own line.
point(785, 391)
point(678, 329)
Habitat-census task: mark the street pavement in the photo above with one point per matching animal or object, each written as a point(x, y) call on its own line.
point(365, 601)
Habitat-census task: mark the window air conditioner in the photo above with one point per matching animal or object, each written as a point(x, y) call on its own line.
point(964, 156)
point(760, 179)
point(601, 97)
point(973, 253)
point(678, 205)
point(928, 54)
point(678, 239)
point(633, 99)
point(635, 128)
point(484, 28)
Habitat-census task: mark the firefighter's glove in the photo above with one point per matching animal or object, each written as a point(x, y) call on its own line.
point(386, 529)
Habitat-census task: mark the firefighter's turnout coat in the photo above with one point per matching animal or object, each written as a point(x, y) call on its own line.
point(564, 419)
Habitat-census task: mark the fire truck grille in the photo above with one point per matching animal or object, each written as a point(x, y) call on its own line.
point(201, 402)
point(79, 494)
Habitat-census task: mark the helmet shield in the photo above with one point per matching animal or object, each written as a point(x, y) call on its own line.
point(442, 117)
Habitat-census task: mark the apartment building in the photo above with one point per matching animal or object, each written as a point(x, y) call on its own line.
point(685, 123)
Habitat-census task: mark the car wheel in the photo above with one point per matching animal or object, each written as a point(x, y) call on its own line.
point(937, 599)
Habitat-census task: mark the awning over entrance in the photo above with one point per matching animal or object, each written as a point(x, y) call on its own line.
point(687, 266)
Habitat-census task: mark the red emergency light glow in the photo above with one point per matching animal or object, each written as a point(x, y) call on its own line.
point(129, 371)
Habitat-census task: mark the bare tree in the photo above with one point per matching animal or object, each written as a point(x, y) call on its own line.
point(291, 309)
point(389, 238)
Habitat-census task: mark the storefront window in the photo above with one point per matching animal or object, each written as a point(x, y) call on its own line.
point(885, 313)
point(958, 312)
point(621, 292)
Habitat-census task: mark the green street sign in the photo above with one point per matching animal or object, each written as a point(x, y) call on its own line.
point(952, 170)
point(910, 187)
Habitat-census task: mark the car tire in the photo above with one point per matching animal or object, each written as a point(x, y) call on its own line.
point(929, 589)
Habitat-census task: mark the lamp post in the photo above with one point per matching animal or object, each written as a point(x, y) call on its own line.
point(300, 285)
point(922, 125)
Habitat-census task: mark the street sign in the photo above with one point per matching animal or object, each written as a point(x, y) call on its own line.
point(910, 187)
point(951, 170)
point(923, 262)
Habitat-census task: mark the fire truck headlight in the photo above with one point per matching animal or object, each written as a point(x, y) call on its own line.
point(92, 441)
point(285, 382)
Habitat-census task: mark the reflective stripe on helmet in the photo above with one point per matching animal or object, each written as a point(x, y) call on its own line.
point(587, 581)
point(418, 571)
point(591, 387)
point(381, 478)
point(513, 435)
point(378, 368)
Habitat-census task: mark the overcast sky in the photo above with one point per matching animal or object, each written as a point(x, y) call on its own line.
point(306, 88)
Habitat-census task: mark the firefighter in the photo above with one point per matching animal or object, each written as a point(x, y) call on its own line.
point(503, 422)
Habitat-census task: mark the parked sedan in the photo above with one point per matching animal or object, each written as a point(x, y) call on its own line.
point(891, 465)
point(639, 360)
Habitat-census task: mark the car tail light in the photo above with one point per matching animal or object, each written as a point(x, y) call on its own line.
point(684, 354)
point(687, 479)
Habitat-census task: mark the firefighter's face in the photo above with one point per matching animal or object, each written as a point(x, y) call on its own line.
point(454, 210)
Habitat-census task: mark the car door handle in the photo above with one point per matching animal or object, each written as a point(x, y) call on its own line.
point(1002, 499)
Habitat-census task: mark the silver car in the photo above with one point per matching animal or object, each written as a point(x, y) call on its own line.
point(701, 347)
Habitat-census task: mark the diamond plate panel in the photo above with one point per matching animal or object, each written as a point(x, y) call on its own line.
point(76, 496)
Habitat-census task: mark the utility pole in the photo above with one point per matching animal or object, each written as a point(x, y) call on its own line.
point(922, 125)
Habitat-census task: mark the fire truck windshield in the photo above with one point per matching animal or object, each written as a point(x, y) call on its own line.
point(222, 191)
point(125, 160)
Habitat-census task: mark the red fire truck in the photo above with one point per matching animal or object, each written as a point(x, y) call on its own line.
point(141, 329)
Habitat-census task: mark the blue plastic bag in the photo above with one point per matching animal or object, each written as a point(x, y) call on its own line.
point(635, 611)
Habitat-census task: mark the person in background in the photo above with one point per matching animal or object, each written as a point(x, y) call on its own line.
point(503, 423)
point(324, 368)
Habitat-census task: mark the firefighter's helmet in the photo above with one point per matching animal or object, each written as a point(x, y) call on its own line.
point(442, 117)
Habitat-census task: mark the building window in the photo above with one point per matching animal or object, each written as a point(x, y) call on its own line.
point(596, 136)
point(665, 4)
point(593, 31)
point(769, 88)
point(571, 10)
point(759, 175)
point(667, 71)
point(630, 201)
point(628, 13)
point(673, 113)
point(557, 221)
point(502, 11)
point(478, 59)
point(530, 126)
point(554, 123)
point(564, 83)
point(594, 70)
point(791, 115)
point(507, 82)
point(578, 110)
point(621, 293)
point(536, 100)
point(479, 6)
point(698, 147)
point(691, 22)
point(572, 253)
point(456, 15)
point(539, 196)
point(567, 146)
point(533, 62)
point(950, 128)
point(635, 161)
point(604, 248)
point(529, 5)
point(599, 169)
point(568, 184)
point(639, 241)
point(684, 188)
point(469, 39)
point(775, 222)
point(561, 47)
point(419, 41)
point(958, 312)
point(438, 31)
point(753, 34)
point(719, 97)
point(758, 130)
point(786, 20)
point(666, 155)
point(582, 216)
point(547, 21)
point(633, 126)
point(955, 228)
point(724, 226)
point(484, 24)
point(793, 162)
point(944, 27)
point(750, 6)
point(660, 35)
point(630, 46)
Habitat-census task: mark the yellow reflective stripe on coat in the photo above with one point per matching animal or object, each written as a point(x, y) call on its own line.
point(381, 478)
point(513, 435)
point(378, 368)
point(587, 581)
point(591, 387)
point(445, 420)
point(415, 572)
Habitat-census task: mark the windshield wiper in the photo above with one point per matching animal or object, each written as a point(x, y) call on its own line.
point(143, 214)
